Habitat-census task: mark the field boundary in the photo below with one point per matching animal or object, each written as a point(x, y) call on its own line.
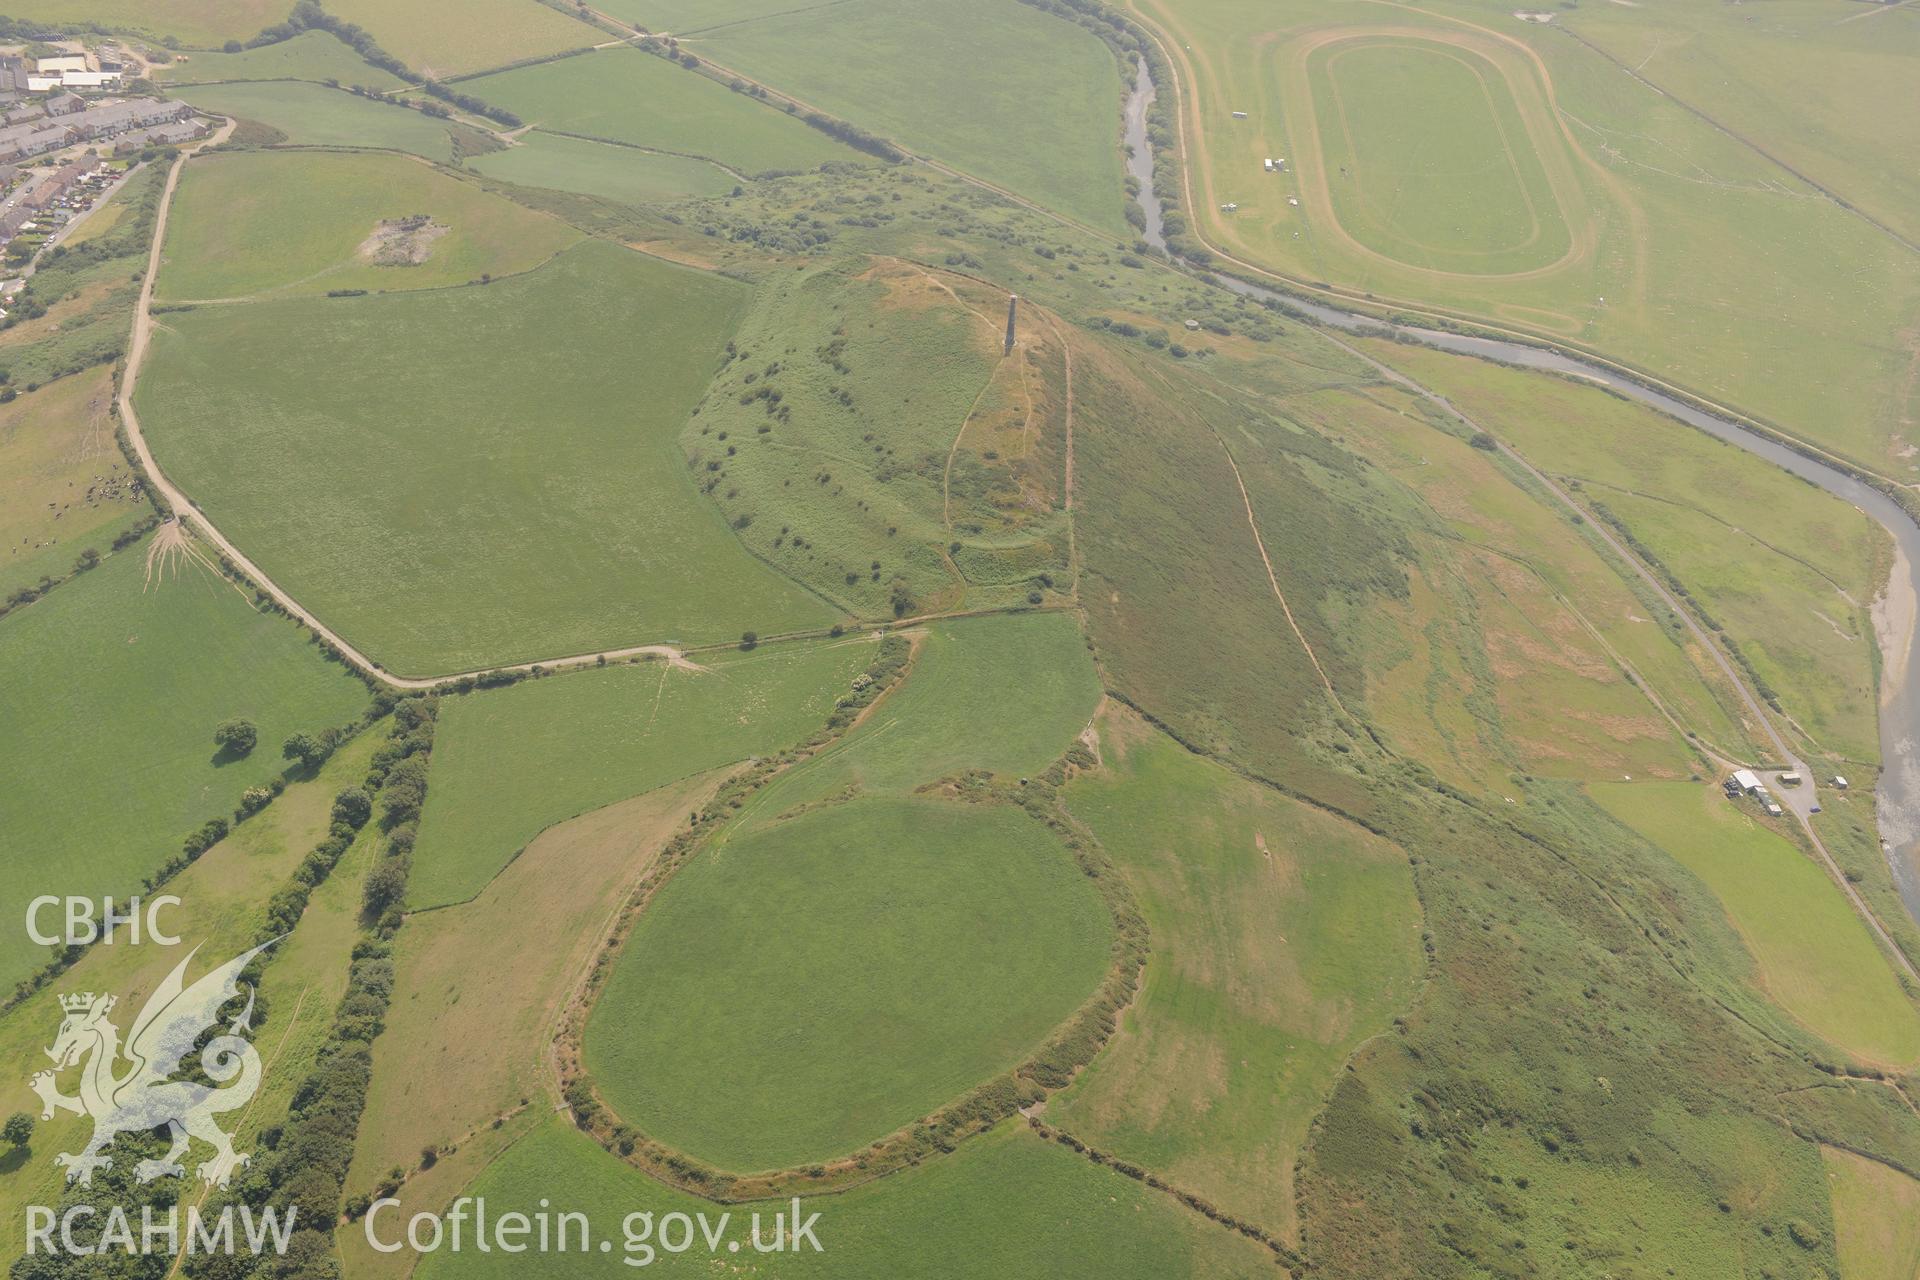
point(1390, 309)
point(1051, 1065)
point(1283, 1255)
point(1743, 140)
point(1685, 612)
point(1549, 150)
point(237, 564)
point(721, 165)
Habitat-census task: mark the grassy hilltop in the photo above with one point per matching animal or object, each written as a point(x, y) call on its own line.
point(1187, 793)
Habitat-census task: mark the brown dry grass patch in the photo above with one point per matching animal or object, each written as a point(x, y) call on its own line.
point(481, 984)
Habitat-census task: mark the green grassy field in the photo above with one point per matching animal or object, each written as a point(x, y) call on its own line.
point(1042, 96)
point(442, 38)
point(1814, 956)
point(1692, 254)
point(1876, 1217)
point(1434, 166)
point(221, 896)
point(818, 983)
point(1004, 694)
point(1006, 1204)
point(115, 688)
point(1806, 85)
point(528, 502)
point(1587, 1210)
point(1282, 938)
point(624, 95)
point(690, 16)
point(627, 174)
point(197, 22)
point(431, 1087)
point(311, 55)
point(1505, 659)
point(64, 485)
point(1848, 826)
point(1588, 1074)
point(1791, 589)
point(509, 763)
point(870, 438)
point(314, 115)
point(1810, 637)
point(290, 223)
point(682, 17)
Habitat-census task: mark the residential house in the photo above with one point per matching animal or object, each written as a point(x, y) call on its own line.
point(43, 195)
point(161, 135)
point(69, 174)
point(23, 141)
point(135, 113)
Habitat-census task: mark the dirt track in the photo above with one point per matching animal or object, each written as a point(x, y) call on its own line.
point(1797, 800)
point(1544, 132)
point(187, 512)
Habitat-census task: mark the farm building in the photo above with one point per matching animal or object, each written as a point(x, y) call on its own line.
point(72, 80)
point(61, 65)
point(1748, 781)
point(1839, 783)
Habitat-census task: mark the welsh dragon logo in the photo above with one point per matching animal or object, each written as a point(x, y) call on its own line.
point(142, 1095)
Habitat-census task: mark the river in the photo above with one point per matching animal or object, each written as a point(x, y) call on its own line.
point(1898, 796)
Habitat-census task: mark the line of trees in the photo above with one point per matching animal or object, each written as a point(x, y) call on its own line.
point(856, 137)
point(309, 16)
point(306, 1153)
point(311, 1154)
